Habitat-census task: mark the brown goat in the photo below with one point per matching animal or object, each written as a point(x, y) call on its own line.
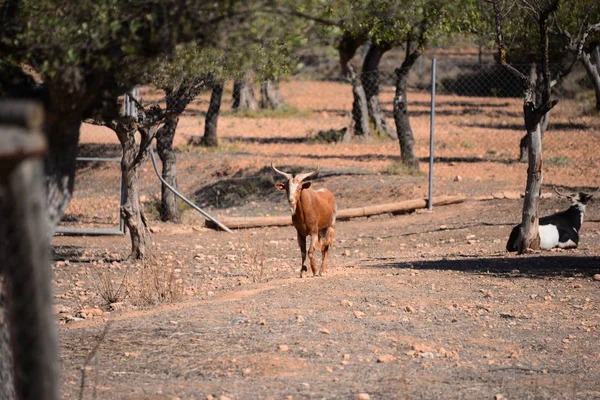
point(313, 216)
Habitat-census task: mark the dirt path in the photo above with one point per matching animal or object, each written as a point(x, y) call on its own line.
point(426, 305)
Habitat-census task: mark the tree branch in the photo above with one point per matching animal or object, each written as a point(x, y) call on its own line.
point(498, 19)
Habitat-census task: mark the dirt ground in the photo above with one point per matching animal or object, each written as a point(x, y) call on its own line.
point(419, 305)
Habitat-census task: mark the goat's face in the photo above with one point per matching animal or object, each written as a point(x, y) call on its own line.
point(293, 189)
point(579, 199)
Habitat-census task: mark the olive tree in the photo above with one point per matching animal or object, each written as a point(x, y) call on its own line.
point(85, 54)
point(544, 14)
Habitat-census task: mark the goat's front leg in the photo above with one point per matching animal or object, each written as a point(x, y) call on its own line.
point(302, 244)
point(314, 243)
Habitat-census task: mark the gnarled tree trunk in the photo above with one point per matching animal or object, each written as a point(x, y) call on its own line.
point(169, 206)
point(592, 66)
point(270, 95)
point(404, 131)
point(177, 100)
point(529, 235)
point(371, 83)
point(210, 138)
point(359, 125)
point(347, 47)
point(131, 211)
point(243, 96)
point(536, 81)
point(59, 164)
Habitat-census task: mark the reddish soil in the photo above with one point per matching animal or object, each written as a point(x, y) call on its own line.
point(420, 305)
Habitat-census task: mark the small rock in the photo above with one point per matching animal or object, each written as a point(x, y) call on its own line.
point(283, 348)
point(498, 195)
point(346, 303)
point(224, 398)
point(410, 309)
point(596, 277)
point(498, 397)
point(60, 309)
point(299, 319)
point(512, 195)
point(362, 396)
point(359, 314)
point(346, 253)
point(118, 306)
point(427, 354)
point(306, 385)
point(386, 358)
point(324, 331)
point(470, 237)
point(458, 178)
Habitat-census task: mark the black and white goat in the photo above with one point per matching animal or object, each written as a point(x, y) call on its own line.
point(560, 229)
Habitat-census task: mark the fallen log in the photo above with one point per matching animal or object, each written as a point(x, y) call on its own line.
point(367, 211)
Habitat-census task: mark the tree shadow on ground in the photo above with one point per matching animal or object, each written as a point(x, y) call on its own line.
point(467, 160)
point(81, 254)
point(571, 126)
point(104, 150)
point(268, 140)
point(250, 185)
point(529, 266)
point(451, 103)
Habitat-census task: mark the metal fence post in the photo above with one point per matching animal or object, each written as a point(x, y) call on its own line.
point(431, 134)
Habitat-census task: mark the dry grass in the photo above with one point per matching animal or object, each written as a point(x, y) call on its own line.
point(109, 287)
point(158, 283)
point(252, 257)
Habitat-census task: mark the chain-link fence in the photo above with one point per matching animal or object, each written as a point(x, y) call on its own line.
point(298, 123)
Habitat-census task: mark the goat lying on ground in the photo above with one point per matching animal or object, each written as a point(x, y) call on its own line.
point(313, 216)
point(560, 229)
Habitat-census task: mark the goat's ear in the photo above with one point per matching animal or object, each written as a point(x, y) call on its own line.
point(586, 197)
point(306, 185)
point(280, 186)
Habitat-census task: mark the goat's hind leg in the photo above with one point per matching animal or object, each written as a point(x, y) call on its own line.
point(326, 242)
point(314, 242)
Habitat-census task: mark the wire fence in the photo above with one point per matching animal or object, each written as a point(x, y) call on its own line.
point(299, 122)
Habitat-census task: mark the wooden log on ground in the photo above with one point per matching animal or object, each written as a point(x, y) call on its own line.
point(390, 208)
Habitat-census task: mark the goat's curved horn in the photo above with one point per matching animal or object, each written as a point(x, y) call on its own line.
point(287, 176)
point(558, 192)
point(592, 193)
point(305, 175)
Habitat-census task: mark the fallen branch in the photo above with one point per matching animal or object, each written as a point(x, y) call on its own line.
point(391, 208)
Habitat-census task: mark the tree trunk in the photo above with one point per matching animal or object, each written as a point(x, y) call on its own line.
point(371, 83)
point(210, 138)
point(243, 96)
point(402, 119)
point(59, 165)
point(270, 95)
point(347, 49)
point(536, 80)
point(169, 205)
point(529, 234)
point(131, 211)
point(592, 72)
point(359, 126)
